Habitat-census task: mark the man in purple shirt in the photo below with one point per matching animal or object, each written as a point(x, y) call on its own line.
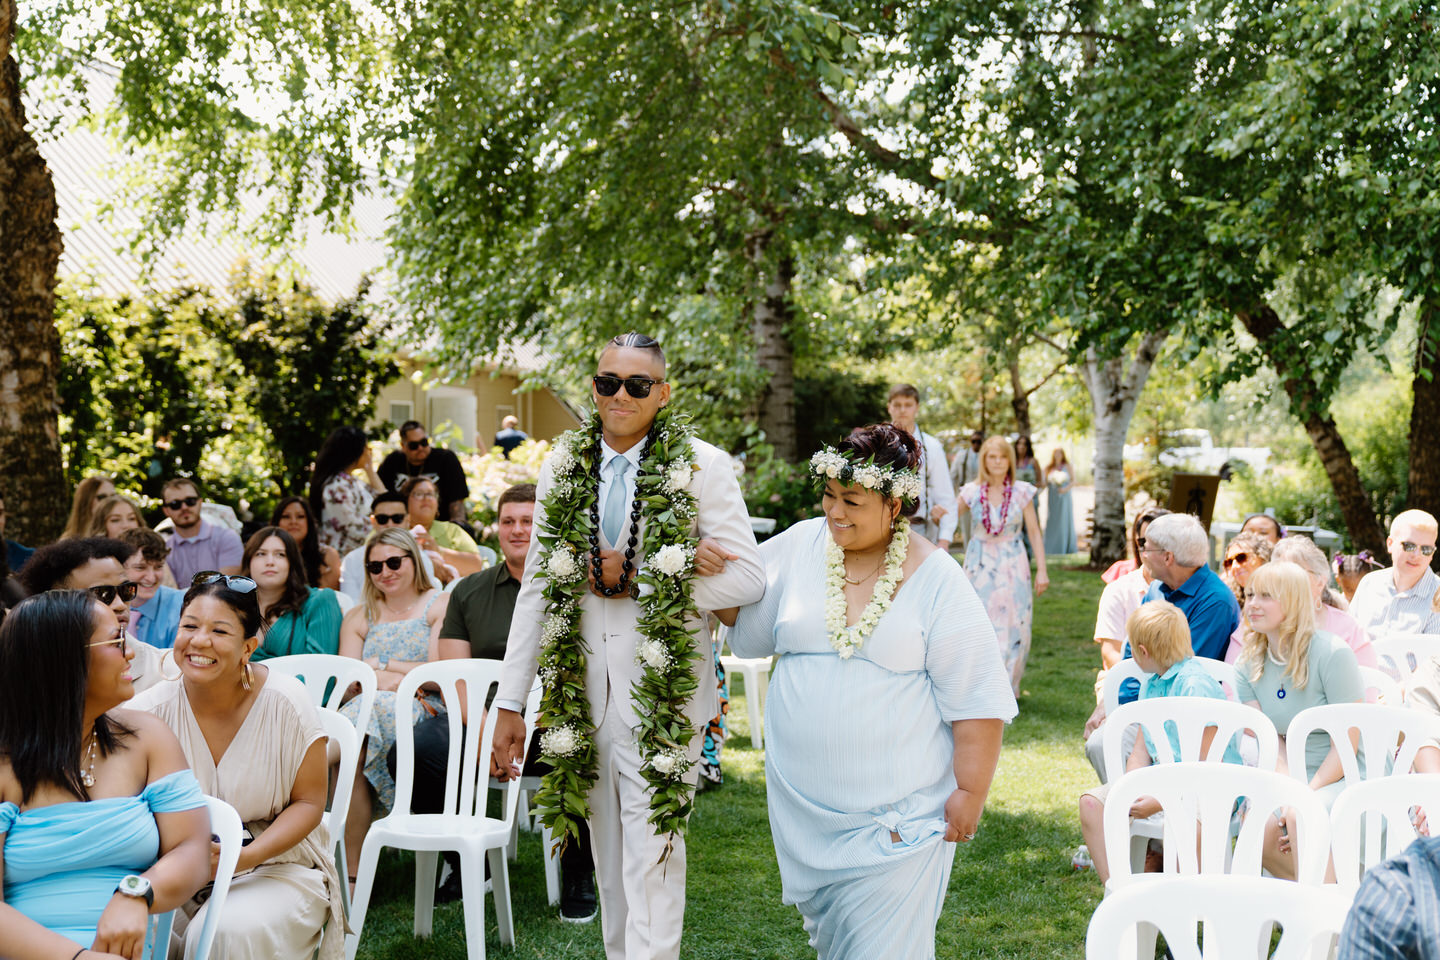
point(196, 545)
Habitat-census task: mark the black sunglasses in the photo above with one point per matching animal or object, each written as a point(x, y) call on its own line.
point(105, 592)
point(417, 444)
point(1238, 558)
point(375, 566)
point(382, 519)
point(181, 502)
point(236, 583)
point(637, 387)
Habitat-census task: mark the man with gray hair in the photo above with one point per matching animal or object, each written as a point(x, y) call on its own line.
point(1174, 550)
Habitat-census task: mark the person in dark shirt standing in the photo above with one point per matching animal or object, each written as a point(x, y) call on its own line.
point(477, 624)
point(510, 436)
point(417, 458)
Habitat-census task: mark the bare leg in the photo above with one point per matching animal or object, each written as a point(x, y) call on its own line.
point(357, 821)
point(1280, 863)
point(1092, 828)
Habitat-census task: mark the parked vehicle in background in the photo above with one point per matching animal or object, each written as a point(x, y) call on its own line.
point(1195, 450)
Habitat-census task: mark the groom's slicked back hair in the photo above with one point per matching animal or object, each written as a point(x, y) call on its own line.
point(637, 341)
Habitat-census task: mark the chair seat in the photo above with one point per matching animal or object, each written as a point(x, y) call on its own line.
point(423, 827)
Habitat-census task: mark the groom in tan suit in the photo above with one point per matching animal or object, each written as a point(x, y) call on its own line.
point(642, 901)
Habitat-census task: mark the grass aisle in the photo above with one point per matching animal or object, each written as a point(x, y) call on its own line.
point(1013, 895)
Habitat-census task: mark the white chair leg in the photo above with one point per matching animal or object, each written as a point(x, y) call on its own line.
point(343, 867)
point(364, 879)
point(512, 848)
point(1138, 847)
point(757, 682)
point(552, 866)
point(472, 881)
point(425, 877)
point(500, 891)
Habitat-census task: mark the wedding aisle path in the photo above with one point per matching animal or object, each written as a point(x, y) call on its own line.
point(1013, 895)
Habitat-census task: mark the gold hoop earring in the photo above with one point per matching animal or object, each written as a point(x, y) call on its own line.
point(247, 678)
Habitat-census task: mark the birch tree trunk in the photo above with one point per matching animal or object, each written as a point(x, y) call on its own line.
point(775, 407)
point(31, 475)
point(1114, 391)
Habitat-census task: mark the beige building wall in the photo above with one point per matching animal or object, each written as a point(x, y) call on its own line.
point(475, 406)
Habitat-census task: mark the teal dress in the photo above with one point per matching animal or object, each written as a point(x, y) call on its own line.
point(63, 861)
point(315, 630)
point(1059, 521)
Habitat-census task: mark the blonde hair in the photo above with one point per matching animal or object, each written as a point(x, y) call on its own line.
point(1303, 552)
point(102, 514)
point(995, 443)
point(82, 507)
point(1161, 628)
point(1290, 584)
point(401, 539)
point(1417, 519)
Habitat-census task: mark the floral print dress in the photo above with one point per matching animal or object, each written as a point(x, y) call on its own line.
point(345, 522)
point(1000, 570)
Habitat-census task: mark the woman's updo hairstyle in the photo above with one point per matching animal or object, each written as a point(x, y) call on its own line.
point(889, 446)
point(246, 604)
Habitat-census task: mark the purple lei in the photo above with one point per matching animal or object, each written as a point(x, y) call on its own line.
point(1004, 508)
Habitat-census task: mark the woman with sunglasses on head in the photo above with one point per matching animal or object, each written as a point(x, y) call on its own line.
point(339, 498)
point(254, 740)
point(439, 537)
point(322, 563)
point(395, 628)
point(102, 824)
point(88, 494)
point(298, 618)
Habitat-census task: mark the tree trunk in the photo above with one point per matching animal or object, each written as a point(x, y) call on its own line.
point(1424, 485)
point(1264, 325)
point(1113, 394)
point(775, 407)
point(32, 479)
point(1020, 397)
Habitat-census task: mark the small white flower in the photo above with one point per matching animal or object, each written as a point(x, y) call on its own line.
point(653, 654)
point(562, 565)
point(670, 763)
point(555, 628)
point(671, 560)
point(562, 460)
point(869, 476)
point(678, 478)
point(906, 485)
point(561, 741)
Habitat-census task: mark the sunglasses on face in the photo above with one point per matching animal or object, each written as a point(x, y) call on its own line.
point(417, 444)
point(375, 566)
point(181, 502)
point(1238, 558)
point(106, 592)
point(120, 641)
point(237, 583)
point(637, 387)
point(1409, 547)
point(381, 519)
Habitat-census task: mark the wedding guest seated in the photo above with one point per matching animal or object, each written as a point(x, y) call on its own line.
point(155, 611)
point(1350, 569)
point(1401, 599)
point(197, 544)
point(1244, 554)
point(455, 547)
point(88, 494)
point(114, 515)
point(297, 618)
point(322, 563)
point(102, 823)
point(395, 628)
point(387, 510)
point(1175, 552)
point(96, 564)
point(418, 458)
point(1264, 525)
point(1330, 608)
point(339, 498)
point(1396, 911)
point(1160, 639)
point(254, 740)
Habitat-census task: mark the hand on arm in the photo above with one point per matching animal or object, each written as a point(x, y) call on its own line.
point(711, 556)
point(977, 751)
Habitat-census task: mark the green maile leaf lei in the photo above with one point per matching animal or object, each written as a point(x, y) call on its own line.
point(667, 608)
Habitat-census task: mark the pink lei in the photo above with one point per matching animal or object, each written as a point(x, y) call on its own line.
point(1004, 508)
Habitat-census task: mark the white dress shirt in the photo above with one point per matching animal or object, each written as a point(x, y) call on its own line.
point(937, 489)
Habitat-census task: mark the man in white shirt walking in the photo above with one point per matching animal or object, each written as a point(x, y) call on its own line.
point(938, 509)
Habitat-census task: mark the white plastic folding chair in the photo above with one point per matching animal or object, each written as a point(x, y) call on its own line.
point(342, 733)
point(1401, 654)
point(755, 672)
point(1381, 688)
point(1235, 916)
point(528, 786)
point(1381, 732)
point(317, 670)
point(462, 826)
point(225, 824)
point(1371, 821)
point(1128, 669)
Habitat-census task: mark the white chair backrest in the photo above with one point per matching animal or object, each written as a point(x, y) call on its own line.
point(1236, 915)
point(317, 670)
point(1380, 728)
point(342, 733)
point(225, 824)
point(1190, 717)
point(1128, 669)
point(1370, 822)
point(1383, 687)
point(1204, 796)
point(467, 775)
point(345, 600)
point(1401, 654)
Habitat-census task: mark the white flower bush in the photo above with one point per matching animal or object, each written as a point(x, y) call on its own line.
point(671, 560)
point(561, 741)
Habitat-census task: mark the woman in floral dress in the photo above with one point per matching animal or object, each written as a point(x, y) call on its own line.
point(995, 558)
point(339, 498)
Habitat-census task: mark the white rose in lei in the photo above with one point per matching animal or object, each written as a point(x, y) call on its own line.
point(562, 566)
point(670, 560)
point(652, 653)
point(560, 742)
point(679, 477)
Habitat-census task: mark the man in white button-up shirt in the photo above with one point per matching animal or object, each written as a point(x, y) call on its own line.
point(1401, 599)
point(938, 509)
point(642, 899)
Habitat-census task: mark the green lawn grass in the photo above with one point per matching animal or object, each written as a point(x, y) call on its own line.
point(1012, 894)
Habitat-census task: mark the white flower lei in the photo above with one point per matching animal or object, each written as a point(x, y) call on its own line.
point(846, 640)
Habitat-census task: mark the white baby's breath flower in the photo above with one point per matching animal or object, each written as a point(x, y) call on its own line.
point(869, 476)
point(670, 763)
point(906, 485)
point(554, 629)
point(653, 654)
point(561, 741)
point(670, 560)
point(562, 461)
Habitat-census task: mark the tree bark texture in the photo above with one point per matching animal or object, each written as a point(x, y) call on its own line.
point(1265, 326)
point(775, 406)
point(1020, 397)
point(1424, 484)
point(31, 474)
point(1114, 391)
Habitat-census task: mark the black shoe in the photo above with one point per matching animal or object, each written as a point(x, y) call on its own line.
point(577, 898)
point(450, 891)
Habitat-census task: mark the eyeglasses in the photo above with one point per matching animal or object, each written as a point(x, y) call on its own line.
point(1139, 543)
point(382, 519)
point(425, 495)
point(181, 502)
point(105, 592)
point(375, 566)
point(1409, 547)
point(637, 387)
point(121, 641)
point(236, 583)
point(1238, 558)
point(417, 444)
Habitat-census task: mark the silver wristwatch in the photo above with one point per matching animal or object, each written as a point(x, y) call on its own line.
point(138, 887)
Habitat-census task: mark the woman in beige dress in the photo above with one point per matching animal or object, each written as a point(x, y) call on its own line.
point(254, 740)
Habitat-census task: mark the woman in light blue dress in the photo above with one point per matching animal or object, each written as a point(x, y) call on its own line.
point(881, 735)
point(1060, 536)
point(92, 797)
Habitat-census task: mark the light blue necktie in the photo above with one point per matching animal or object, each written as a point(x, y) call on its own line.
point(616, 501)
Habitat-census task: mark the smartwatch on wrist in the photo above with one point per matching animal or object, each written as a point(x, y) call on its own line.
point(138, 887)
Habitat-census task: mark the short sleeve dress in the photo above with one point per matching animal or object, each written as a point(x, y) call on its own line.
point(345, 518)
point(999, 569)
point(857, 748)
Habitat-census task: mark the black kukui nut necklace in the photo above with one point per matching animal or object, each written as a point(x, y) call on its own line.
point(628, 567)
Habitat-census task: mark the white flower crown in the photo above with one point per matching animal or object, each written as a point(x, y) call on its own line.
point(831, 464)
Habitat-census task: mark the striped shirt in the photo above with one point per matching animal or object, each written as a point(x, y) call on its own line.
point(1380, 607)
point(1396, 913)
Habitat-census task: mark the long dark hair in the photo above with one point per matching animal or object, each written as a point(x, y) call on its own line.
point(310, 546)
point(343, 447)
point(293, 597)
point(44, 673)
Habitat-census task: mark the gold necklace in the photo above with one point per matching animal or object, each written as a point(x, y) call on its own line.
point(856, 583)
point(87, 776)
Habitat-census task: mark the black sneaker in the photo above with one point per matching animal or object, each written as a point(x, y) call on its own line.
point(450, 890)
point(577, 898)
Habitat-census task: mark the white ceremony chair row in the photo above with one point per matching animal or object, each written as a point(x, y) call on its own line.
point(1389, 737)
point(1128, 669)
point(1372, 821)
point(1400, 655)
point(755, 672)
point(224, 824)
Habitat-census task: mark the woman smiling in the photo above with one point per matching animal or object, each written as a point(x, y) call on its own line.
point(448, 540)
